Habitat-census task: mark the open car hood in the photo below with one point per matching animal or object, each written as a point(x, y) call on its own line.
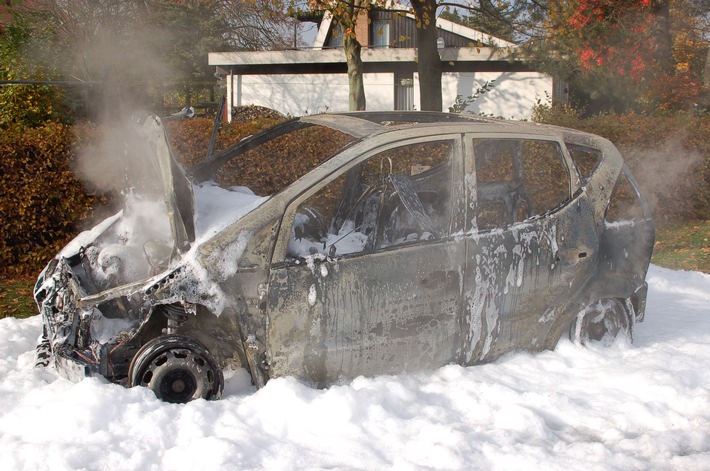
point(175, 188)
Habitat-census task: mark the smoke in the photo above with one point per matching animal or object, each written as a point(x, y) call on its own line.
point(118, 161)
point(121, 162)
point(128, 73)
point(118, 51)
point(668, 176)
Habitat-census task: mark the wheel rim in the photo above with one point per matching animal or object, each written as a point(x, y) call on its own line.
point(603, 322)
point(599, 326)
point(177, 369)
point(178, 375)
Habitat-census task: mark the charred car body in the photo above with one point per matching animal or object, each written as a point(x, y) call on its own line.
point(424, 239)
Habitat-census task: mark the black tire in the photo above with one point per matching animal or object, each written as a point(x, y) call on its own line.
point(177, 369)
point(602, 322)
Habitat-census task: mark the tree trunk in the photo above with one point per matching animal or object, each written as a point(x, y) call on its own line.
point(706, 79)
point(429, 62)
point(188, 94)
point(661, 13)
point(355, 70)
point(706, 71)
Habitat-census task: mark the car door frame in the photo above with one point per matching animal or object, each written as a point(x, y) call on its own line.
point(520, 277)
point(313, 344)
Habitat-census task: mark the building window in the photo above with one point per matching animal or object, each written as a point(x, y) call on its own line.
point(560, 92)
point(336, 37)
point(403, 92)
point(380, 33)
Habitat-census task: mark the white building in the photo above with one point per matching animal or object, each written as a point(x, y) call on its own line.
point(313, 80)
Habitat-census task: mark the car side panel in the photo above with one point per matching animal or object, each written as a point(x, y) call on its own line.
point(519, 280)
point(384, 312)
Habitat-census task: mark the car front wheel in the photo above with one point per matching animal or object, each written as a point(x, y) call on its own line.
point(177, 369)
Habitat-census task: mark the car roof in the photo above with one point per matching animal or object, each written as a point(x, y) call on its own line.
point(362, 124)
point(365, 123)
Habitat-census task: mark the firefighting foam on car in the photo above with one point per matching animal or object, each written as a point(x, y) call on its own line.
point(416, 240)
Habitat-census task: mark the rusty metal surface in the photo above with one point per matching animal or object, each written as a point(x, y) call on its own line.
point(429, 284)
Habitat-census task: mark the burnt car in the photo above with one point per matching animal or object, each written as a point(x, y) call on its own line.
point(416, 240)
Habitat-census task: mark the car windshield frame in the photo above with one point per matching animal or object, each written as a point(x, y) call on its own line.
point(356, 127)
point(206, 169)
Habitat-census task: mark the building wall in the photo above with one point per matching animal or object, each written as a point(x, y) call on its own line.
point(300, 94)
point(513, 96)
point(403, 31)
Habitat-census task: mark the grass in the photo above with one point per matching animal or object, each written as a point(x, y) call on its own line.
point(679, 246)
point(683, 246)
point(16, 299)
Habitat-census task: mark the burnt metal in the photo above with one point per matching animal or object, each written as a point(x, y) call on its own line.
point(429, 239)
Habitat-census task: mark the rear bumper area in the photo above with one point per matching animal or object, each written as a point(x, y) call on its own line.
point(638, 300)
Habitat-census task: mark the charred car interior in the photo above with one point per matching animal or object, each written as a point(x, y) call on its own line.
point(414, 240)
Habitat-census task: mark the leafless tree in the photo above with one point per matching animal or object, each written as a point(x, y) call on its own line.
point(257, 25)
point(135, 47)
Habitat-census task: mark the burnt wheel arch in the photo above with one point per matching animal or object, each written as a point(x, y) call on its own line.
point(603, 321)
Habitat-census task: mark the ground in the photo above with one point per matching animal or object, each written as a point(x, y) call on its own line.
point(641, 406)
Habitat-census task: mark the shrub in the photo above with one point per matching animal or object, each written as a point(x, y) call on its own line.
point(669, 155)
point(190, 138)
point(40, 198)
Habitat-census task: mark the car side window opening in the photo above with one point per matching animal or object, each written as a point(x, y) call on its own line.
point(585, 159)
point(516, 180)
point(625, 202)
point(398, 196)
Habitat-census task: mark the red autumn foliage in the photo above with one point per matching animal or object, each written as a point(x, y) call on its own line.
point(629, 53)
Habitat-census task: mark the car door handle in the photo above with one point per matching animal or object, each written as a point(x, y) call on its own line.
point(573, 255)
